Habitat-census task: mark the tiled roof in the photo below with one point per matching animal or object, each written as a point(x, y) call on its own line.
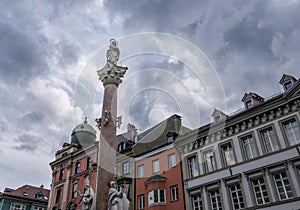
point(28, 192)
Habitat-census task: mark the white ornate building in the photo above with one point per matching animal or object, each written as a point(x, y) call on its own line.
point(249, 160)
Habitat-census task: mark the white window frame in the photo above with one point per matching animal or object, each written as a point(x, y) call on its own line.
point(141, 171)
point(269, 139)
point(141, 202)
point(249, 103)
point(215, 197)
point(228, 154)
point(17, 206)
point(193, 166)
point(209, 160)
point(77, 167)
point(172, 160)
point(287, 188)
point(174, 193)
point(154, 197)
point(237, 198)
point(155, 166)
point(74, 189)
point(126, 168)
point(294, 129)
point(249, 146)
point(260, 189)
point(197, 202)
point(39, 208)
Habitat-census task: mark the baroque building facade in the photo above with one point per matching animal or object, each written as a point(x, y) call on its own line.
point(74, 173)
point(248, 160)
point(26, 197)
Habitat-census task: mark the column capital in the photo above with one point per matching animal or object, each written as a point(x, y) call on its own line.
point(111, 73)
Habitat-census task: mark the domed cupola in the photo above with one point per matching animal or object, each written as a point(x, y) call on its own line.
point(83, 134)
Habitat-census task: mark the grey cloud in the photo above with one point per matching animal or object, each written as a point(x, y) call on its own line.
point(21, 58)
point(28, 143)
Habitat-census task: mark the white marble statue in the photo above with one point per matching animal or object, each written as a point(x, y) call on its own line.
point(87, 199)
point(113, 52)
point(117, 200)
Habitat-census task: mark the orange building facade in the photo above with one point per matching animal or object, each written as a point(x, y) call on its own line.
point(159, 180)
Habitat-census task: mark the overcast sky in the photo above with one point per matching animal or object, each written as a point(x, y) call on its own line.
point(207, 54)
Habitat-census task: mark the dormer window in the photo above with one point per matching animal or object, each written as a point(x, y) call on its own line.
point(39, 195)
point(288, 85)
point(249, 104)
point(287, 81)
point(218, 116)
point(252, 99)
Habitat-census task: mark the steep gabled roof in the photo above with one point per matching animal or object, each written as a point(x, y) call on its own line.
point(157, 135)
point(28, 192)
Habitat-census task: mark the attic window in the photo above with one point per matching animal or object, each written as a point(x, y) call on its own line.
point(39, 195)
point(217, 118)
point(249, 104)
point(25, 193)
point(288, 85)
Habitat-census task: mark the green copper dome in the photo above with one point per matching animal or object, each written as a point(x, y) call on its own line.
point(84, 127)
point(83, 134)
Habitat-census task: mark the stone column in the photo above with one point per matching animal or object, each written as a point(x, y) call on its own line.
point(110, 75)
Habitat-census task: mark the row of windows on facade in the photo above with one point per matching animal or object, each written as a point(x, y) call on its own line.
point(89, 162)
point(248, 144)
point(74, 189)
point(155, 166)
point(158, 197)
point(19, 206)
point(259, 189)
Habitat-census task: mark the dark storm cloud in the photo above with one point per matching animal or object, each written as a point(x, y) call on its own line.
point(27, 143)
point(21, 58)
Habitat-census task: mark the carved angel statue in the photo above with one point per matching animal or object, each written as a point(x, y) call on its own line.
point(113, 52)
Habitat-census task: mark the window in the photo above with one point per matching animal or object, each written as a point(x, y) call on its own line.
point(141, 202)
point(39, 208)
point(249, 104)
point(140, 171)
point(209, 161)
point(74, 190)
point(58, 194)
point(288, 85)
point(155, 166)
point(260, 191)
point(89, 162)
point(61, 173)
point(86, 181)
point(125, 168)
point(217, 118)
point(17, 206)
point(157, 196)
point(237, 196)
point(249, 147)
point(193, 166)
point(228, 154)
point(174, 193)
point(269, 140)
point(197, 202)
point(283, 186)
point(292, 132)
point(39, 195)
point(215, 200)
point(77, 167)
point(172, 160)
